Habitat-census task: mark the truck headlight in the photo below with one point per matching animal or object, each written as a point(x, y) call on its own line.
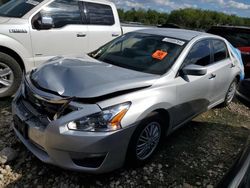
point(107, 120)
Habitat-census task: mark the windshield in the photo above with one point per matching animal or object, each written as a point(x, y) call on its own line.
point(141, 52)
point(17, 8)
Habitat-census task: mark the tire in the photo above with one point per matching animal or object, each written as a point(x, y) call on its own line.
point(230, 93)
point(134, 157)
point(10, 75)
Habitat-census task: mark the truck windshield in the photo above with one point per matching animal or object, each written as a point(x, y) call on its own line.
point(142, 52)
point(17, 8)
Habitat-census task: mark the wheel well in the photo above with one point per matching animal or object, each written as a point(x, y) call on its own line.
point(14, 55)
point(164, 114)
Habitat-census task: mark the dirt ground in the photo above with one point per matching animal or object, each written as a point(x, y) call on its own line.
point(197, 155)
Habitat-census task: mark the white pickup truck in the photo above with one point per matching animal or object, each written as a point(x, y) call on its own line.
point(33, 31)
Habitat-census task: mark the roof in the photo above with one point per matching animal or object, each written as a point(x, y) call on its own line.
point(182, 34)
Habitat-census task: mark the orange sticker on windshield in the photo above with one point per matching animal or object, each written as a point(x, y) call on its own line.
point(159, 54)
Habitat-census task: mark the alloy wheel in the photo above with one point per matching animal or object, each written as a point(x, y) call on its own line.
point(6, 77)
point(148, 140)
point(231, 92)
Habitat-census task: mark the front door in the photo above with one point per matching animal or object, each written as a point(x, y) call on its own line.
point(68, 36)
point(194, 93)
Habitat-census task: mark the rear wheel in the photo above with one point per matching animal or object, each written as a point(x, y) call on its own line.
point(145, 140)
point(10, 75)
point(230, 93)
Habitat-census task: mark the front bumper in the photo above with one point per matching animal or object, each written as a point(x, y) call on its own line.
point(54, 143)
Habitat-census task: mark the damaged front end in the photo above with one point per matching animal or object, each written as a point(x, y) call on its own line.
point(33, 107)
point(61, 131)
point(57, 117)
point(45, 104)
point(45, 107)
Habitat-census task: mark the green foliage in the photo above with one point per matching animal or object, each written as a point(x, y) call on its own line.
point(150, 17)
point(187, 18)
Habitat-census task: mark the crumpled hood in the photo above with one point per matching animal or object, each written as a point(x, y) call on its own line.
point(4, 19)
point(88, 78)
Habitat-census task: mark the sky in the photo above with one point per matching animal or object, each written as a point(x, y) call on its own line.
point(238, 7)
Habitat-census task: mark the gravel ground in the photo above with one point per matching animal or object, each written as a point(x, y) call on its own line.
point(197, 155)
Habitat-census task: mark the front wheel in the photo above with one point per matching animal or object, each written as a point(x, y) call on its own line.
point(10, 75)
point(145, 140)
point(230, 93)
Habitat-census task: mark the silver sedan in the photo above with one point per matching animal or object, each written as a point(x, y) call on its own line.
point(115, 105)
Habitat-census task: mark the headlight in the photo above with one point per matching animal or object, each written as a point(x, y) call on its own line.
point(107, 120)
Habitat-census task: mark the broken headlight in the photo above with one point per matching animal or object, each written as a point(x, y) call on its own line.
point(107, 120)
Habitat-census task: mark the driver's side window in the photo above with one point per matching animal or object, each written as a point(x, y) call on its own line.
point(200, 54)
point(62, 12)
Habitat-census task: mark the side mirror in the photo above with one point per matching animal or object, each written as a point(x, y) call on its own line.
point(195, 70)
point(46, 22)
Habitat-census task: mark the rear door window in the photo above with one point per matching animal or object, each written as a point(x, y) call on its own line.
point(220, 50)
point(99, 14)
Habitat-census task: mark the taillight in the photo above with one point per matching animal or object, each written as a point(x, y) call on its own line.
point(244, 50)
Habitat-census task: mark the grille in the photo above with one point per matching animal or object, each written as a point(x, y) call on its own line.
point(42, 106)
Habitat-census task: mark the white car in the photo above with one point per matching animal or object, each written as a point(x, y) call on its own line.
point(33, 31)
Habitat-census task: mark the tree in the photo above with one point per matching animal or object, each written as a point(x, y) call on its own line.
point(187, 18)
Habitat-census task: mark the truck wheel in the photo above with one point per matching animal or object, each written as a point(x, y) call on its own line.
point(145, 140)
point(10, 75)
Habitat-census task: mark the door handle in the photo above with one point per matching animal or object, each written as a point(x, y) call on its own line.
point(232, 65)
point(115, 34)
point(212, 76)
point(81, 35)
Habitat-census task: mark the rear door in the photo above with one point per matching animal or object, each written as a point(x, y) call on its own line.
point(221, 67)
point(103, 24)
